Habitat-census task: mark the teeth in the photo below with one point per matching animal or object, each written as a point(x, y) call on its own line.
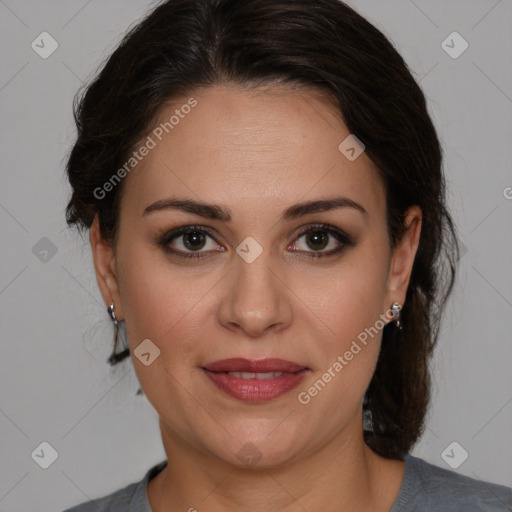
point(259, 376)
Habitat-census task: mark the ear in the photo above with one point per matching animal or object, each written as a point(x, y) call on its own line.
point(403, 258)
point(104, 266)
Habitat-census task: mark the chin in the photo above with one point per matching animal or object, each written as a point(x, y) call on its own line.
point(266, 447)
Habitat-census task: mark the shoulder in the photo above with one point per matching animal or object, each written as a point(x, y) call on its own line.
point(132, 498)
point(115, 502)
point(427, 487)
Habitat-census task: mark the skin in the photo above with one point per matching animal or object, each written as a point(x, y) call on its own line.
point(256, 153)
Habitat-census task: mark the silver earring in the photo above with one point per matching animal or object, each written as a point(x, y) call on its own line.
point(115, 358)
point(396, 309)
point(112, 314)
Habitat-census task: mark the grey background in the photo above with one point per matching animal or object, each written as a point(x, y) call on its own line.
point(55, 334)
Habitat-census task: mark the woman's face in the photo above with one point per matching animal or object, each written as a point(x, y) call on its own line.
point(256, 291)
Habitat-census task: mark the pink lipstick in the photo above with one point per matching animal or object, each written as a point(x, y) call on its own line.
point(255, 380)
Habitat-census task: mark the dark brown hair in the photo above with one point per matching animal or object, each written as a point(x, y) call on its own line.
point(324, 45)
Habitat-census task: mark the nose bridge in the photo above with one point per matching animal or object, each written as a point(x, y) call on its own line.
point(256, 299)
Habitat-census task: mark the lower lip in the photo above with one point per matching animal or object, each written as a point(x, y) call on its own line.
point(254, 390)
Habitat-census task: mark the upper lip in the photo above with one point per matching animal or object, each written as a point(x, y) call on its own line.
point(239, 364)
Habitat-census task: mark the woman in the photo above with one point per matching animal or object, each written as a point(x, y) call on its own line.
point(263, 188)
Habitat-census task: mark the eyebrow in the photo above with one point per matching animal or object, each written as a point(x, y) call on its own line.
point(217, 212)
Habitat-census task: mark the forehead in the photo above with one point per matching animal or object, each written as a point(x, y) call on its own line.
point(249, 147)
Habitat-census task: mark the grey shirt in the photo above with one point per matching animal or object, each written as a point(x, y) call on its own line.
point(425, 488)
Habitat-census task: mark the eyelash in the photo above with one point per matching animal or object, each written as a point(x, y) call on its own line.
point(336, 233)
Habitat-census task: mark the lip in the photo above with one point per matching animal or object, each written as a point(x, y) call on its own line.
point(252, 389)
point(239, 364)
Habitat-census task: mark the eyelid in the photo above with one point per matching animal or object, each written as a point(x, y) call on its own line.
point(165, 240)
point(341, 237)
point(319, 226)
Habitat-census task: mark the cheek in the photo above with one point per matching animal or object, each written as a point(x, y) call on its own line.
point(348, 299)
point(347, 349)
point(161, 302)
point(349, 304)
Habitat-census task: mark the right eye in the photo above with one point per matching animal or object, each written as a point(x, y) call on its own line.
point(190, 241)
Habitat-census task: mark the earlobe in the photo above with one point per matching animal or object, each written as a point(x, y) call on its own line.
point(104, 266)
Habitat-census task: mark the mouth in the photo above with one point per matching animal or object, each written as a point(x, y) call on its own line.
point(255, 380)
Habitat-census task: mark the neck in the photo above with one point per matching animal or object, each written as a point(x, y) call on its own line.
point(343, 474)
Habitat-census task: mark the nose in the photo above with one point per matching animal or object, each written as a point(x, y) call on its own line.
point(256, 298)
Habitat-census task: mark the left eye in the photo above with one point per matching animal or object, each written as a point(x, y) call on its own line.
point(320, 238)
point(316, 240)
